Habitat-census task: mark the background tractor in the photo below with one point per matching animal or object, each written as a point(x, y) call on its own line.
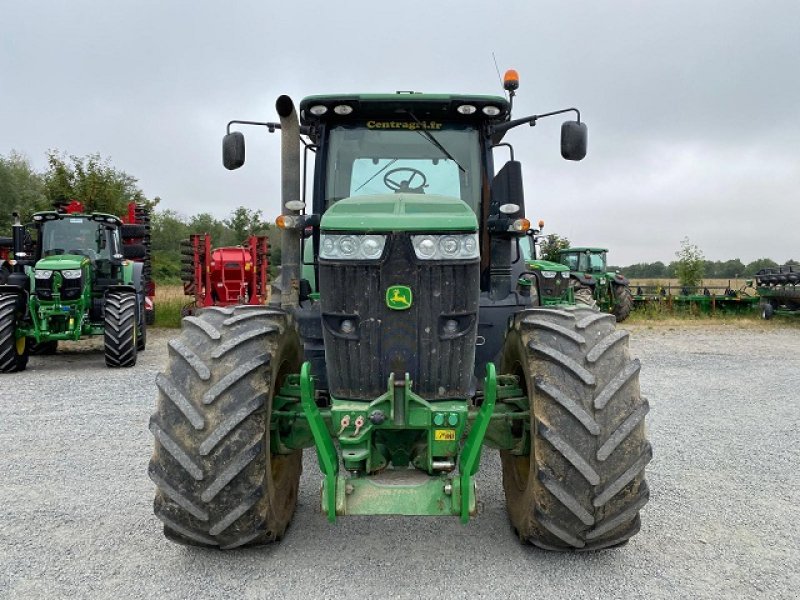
point(554, 285)
point(610, 290)
point(68, 280)
point(224, 276)
point(412, 341)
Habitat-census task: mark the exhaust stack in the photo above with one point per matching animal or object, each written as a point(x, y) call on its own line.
point(290, 201)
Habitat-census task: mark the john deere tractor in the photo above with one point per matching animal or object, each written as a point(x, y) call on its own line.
point(610, 290)
point(67, 281)
point(412, 341)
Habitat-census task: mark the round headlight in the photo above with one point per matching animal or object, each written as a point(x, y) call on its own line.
point(427, 246)
point(470, 245)
point(467, 109)
point(318, 110)
point(448, 245)
point(371, 246)
point(348, 245)
point(327, 245)
point(342, 109)
point(491, 111)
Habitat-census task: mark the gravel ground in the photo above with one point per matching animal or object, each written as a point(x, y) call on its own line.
point(76, 517)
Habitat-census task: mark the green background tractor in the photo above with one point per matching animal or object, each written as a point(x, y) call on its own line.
point(610, 290)
point(411, 339)
point(71, 280)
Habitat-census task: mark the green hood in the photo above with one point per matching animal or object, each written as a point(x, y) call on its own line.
point(400, 212)
point(61, 262)
point(546, 265)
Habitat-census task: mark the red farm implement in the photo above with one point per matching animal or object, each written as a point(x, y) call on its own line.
point(224, 276)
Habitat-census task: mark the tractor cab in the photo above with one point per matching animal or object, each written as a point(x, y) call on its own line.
point(584, 260)
point(68, 242)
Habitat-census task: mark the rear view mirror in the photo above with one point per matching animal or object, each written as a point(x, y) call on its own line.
point(233, 150)
point(573, 140)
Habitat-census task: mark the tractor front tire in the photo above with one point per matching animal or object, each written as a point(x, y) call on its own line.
point(581, 486)
point(120, 329)
point(13, 350)
point(623, 302)
point(218, 483)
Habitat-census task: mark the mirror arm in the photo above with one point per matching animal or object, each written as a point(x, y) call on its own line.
point(503, 127)
point(304, 129)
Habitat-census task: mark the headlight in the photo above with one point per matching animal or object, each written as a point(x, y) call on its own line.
point(548, 274)
point(71, 273)
point(461, 246)
point(43, 274)
point(351, 247)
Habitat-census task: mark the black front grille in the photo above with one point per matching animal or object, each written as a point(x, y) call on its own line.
point(44, 288)
point(416, 340)
point(71, 288)
point(553, 287)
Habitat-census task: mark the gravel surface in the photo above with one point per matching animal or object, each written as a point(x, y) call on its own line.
point(76, 517)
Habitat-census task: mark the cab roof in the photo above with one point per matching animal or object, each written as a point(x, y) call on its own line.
point(388, 106)
point(51, 215)
point(582, 249)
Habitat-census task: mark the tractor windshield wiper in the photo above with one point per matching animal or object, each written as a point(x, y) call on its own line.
point(378, 172)
point(429, 136)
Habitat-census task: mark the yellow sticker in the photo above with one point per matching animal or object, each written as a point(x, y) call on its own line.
point(444, 435)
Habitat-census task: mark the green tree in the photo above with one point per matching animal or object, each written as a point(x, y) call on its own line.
point(690, 264)
point(551, 244)
point(758, 264)
point(244, 222)
point(21, 190)
point(167, 228)
point(93, 181)
point(220, 234)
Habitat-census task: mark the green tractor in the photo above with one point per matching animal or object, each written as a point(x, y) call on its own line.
point(555, 286)
point(611, 291)
point(72, 280)
point(413, 338)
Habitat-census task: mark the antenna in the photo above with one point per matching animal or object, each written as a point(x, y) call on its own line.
point(500, 77)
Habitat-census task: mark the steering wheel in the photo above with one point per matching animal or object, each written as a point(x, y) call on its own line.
point(405, 184)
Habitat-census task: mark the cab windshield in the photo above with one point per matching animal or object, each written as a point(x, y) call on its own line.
point(76, 235)
point(386, 157)
point(585, 262)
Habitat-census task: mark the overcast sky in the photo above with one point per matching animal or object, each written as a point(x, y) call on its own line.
point(693, 108)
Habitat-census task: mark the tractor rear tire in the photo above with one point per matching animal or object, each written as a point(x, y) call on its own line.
point(218, 484)
point(141, 340)
point(13, 350)
point(120, 329)
point(623, 302)
point(582, 484)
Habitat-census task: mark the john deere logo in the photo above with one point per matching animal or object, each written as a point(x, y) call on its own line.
point(398, 297)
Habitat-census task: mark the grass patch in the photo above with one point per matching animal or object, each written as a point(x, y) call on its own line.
point(170, 300)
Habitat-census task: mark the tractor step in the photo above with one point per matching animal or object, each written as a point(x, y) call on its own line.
point(398, 492)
